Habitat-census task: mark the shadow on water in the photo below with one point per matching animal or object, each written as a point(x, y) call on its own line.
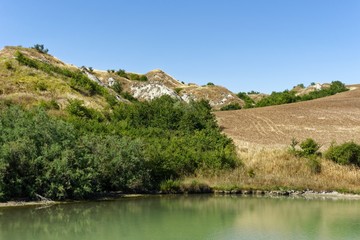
point(186, 217)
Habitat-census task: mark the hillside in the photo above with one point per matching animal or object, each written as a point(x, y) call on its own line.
point(334, 118)
point(29, 86)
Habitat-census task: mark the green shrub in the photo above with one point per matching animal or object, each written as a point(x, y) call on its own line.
point(76, 108)
point(346, 153)
point(309, 147)
point(143, 78)
point(111, 99)
point(170, 186)
point(41, 86)
point(128, 96)
point(301, 85)
point(177, 90)
point(117, 87)
point(122, 73)
point(9, 66)
point(249, 103)
point(47, 105)
point(231, 106)
point(40, 48)
point(210, 84)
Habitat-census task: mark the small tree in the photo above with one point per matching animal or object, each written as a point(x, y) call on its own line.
point(40, 48)
point(309, 147)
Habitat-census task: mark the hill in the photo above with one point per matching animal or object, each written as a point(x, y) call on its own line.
point(30, 85)
point(334, 118)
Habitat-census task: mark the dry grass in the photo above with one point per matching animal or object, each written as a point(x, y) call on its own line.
point(28, 87)
point(269, 169)
point(262, 136)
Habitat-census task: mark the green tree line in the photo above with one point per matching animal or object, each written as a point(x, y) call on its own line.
point(284, 97)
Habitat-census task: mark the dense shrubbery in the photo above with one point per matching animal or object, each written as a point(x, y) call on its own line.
point(249, 103)
point(231, 106)
point(133, 148)
point(277, 98)
point(40, 48)
point(346, 153)
point(77, 79)
point(131, 76)
point(309, 149)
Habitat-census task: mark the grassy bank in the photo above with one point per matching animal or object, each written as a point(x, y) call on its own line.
point(277, 169)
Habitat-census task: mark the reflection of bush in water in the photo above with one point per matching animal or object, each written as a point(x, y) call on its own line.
point(168, 215)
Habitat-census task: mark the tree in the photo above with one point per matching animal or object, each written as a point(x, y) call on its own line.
point(40, 48)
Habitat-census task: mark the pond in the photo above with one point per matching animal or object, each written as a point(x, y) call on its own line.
point(185, 217)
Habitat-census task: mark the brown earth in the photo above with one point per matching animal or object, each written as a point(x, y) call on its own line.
point(334, 118)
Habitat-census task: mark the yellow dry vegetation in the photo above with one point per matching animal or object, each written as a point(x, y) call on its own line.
point(263, 137)
point(268, 169)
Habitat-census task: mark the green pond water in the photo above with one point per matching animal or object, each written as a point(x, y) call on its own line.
point(185, 217)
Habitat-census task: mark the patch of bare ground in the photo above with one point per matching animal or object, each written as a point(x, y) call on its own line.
point(263, 135)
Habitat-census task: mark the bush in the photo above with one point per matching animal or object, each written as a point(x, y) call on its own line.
point(47, 105)
point(9, 66)
point(346, 153)
point(117, 87)
point(231, 106)
point(122, 73)
point(177, 90)
point(170, 186)
point(210, 84)
point(41, 86)
point(76, 108)
point(309, 147)
point(40, 48)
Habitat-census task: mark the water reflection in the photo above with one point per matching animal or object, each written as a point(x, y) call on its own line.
point(186, 217)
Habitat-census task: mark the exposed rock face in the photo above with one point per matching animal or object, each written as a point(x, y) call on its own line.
point(216, 95)
point(149, 91)
point(111, 82)
point(158, 84)
point(93, 77)
point(311, 88)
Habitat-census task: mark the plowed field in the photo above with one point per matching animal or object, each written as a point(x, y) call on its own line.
point(334, 118)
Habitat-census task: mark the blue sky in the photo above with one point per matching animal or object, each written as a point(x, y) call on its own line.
point(262, 45)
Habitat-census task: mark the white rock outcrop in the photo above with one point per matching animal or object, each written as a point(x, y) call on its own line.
point(150, 91)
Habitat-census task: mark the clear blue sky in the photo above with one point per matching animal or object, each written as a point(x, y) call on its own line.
point(244, 45)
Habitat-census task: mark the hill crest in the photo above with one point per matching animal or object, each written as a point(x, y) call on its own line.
point(21, 82)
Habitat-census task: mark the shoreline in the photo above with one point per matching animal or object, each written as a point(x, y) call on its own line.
point(306, 194)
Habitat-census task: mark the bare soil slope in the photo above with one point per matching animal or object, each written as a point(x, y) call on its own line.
point(334, 118)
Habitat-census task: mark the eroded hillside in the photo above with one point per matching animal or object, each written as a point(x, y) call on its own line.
point(29, 85)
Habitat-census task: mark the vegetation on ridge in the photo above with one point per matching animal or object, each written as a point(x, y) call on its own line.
point(278, 98)
point(77, 79)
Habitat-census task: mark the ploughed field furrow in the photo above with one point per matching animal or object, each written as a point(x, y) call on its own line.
point(334, 118)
